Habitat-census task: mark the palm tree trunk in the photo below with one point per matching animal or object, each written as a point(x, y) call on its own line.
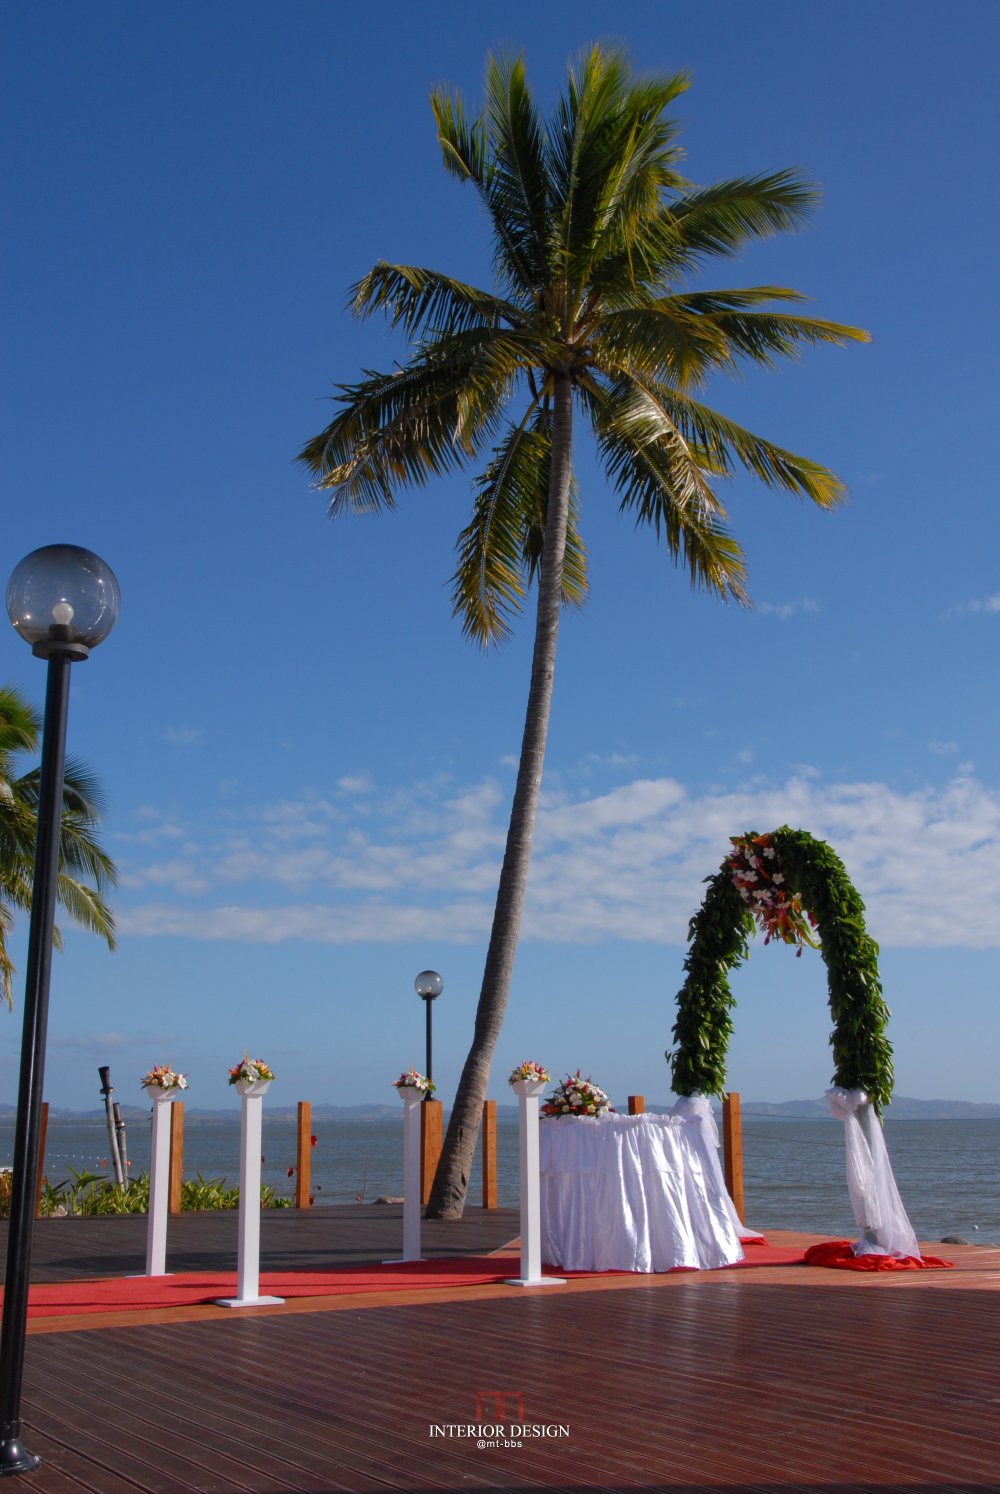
point(451, 1180)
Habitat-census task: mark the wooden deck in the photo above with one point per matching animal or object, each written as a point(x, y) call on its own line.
point(771, 1380)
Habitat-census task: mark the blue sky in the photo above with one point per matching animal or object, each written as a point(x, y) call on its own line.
point(308, 770)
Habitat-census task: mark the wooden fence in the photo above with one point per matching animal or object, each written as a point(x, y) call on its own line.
point(431, 1115)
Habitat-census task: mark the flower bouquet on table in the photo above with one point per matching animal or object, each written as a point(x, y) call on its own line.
point(577, 1096)
point(162, 1076)
point(249, 1073)
point(410, 1079)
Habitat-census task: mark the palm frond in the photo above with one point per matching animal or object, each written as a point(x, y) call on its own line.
point(6, 968)
point(662, 479)
point(616, 155)
point(20, 725)
point(469, 153)
point(79, 850)
point(488, 586)
point(83, 794)
point(723, 218)
point(87, 908)
point(519, 191)
point(762, 336)
point(501, 547)
point(665, 340)
point(418, 300)
point(416, 423)
point(462, 140)
point(16, 879)
point(722, 440)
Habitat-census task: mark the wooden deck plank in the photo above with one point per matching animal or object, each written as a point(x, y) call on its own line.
point(780, 1381)
point(343, 1384)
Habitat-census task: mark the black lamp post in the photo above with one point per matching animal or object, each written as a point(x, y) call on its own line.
point(64, 602)
point(428, 986)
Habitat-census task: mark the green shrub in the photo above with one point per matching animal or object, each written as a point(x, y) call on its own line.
point(95, 1193)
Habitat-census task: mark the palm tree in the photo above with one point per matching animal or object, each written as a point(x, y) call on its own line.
point(79, 851)
point(595, 233)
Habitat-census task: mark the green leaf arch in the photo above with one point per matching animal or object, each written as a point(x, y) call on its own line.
point(719, 936)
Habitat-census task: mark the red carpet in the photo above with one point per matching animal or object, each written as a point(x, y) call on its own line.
point(840, 1254)
point(189, 1288)
point(760, 1253)
point(185, 1289)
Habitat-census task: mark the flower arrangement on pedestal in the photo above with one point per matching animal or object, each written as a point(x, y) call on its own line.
point(412, 1080)
point(529, 1070)
point(577, 1096)
point(162, 1076)
point(762, 885)
point(250, 1071)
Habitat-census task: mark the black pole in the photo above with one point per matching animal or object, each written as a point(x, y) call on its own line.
point(13, 1456)
point(428, 1003)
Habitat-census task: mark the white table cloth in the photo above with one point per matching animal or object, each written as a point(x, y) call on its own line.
point(634, 1193)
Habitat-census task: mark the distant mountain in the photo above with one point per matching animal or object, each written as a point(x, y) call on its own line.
point(133, 1113)
point(902, 1108)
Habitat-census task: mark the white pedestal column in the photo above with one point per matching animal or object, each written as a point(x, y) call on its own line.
point(528, 1091)
point(412, 1202)
point(248, 1260)
point(159, 1180)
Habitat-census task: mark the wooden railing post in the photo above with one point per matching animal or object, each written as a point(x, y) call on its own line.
point(176, 1157)
point(489, 1145)
point(637, 1105)
point(732, 1149)
point(303, 1157)
point(430, 1145)
point(41, 1157)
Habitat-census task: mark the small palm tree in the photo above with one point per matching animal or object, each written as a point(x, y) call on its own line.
point(79, 852)
point(595, 234)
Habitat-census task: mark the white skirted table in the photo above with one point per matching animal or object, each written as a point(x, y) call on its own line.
point(635, 1193)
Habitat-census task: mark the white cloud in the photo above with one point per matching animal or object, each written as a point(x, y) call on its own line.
point(184, 736)
point(369, 923)
point(152, 833)
point(784, 610)
point(626, 864)
point(979, 604)
point(943, 749)
point(184, 875)
point(88, 1043)
point(356, 783)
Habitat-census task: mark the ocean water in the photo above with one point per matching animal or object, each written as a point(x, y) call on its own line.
point(948, 1171)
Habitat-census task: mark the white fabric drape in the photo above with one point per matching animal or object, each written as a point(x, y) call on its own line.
point(698, 1109)
point(633, 1193)
point(878, 1208)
